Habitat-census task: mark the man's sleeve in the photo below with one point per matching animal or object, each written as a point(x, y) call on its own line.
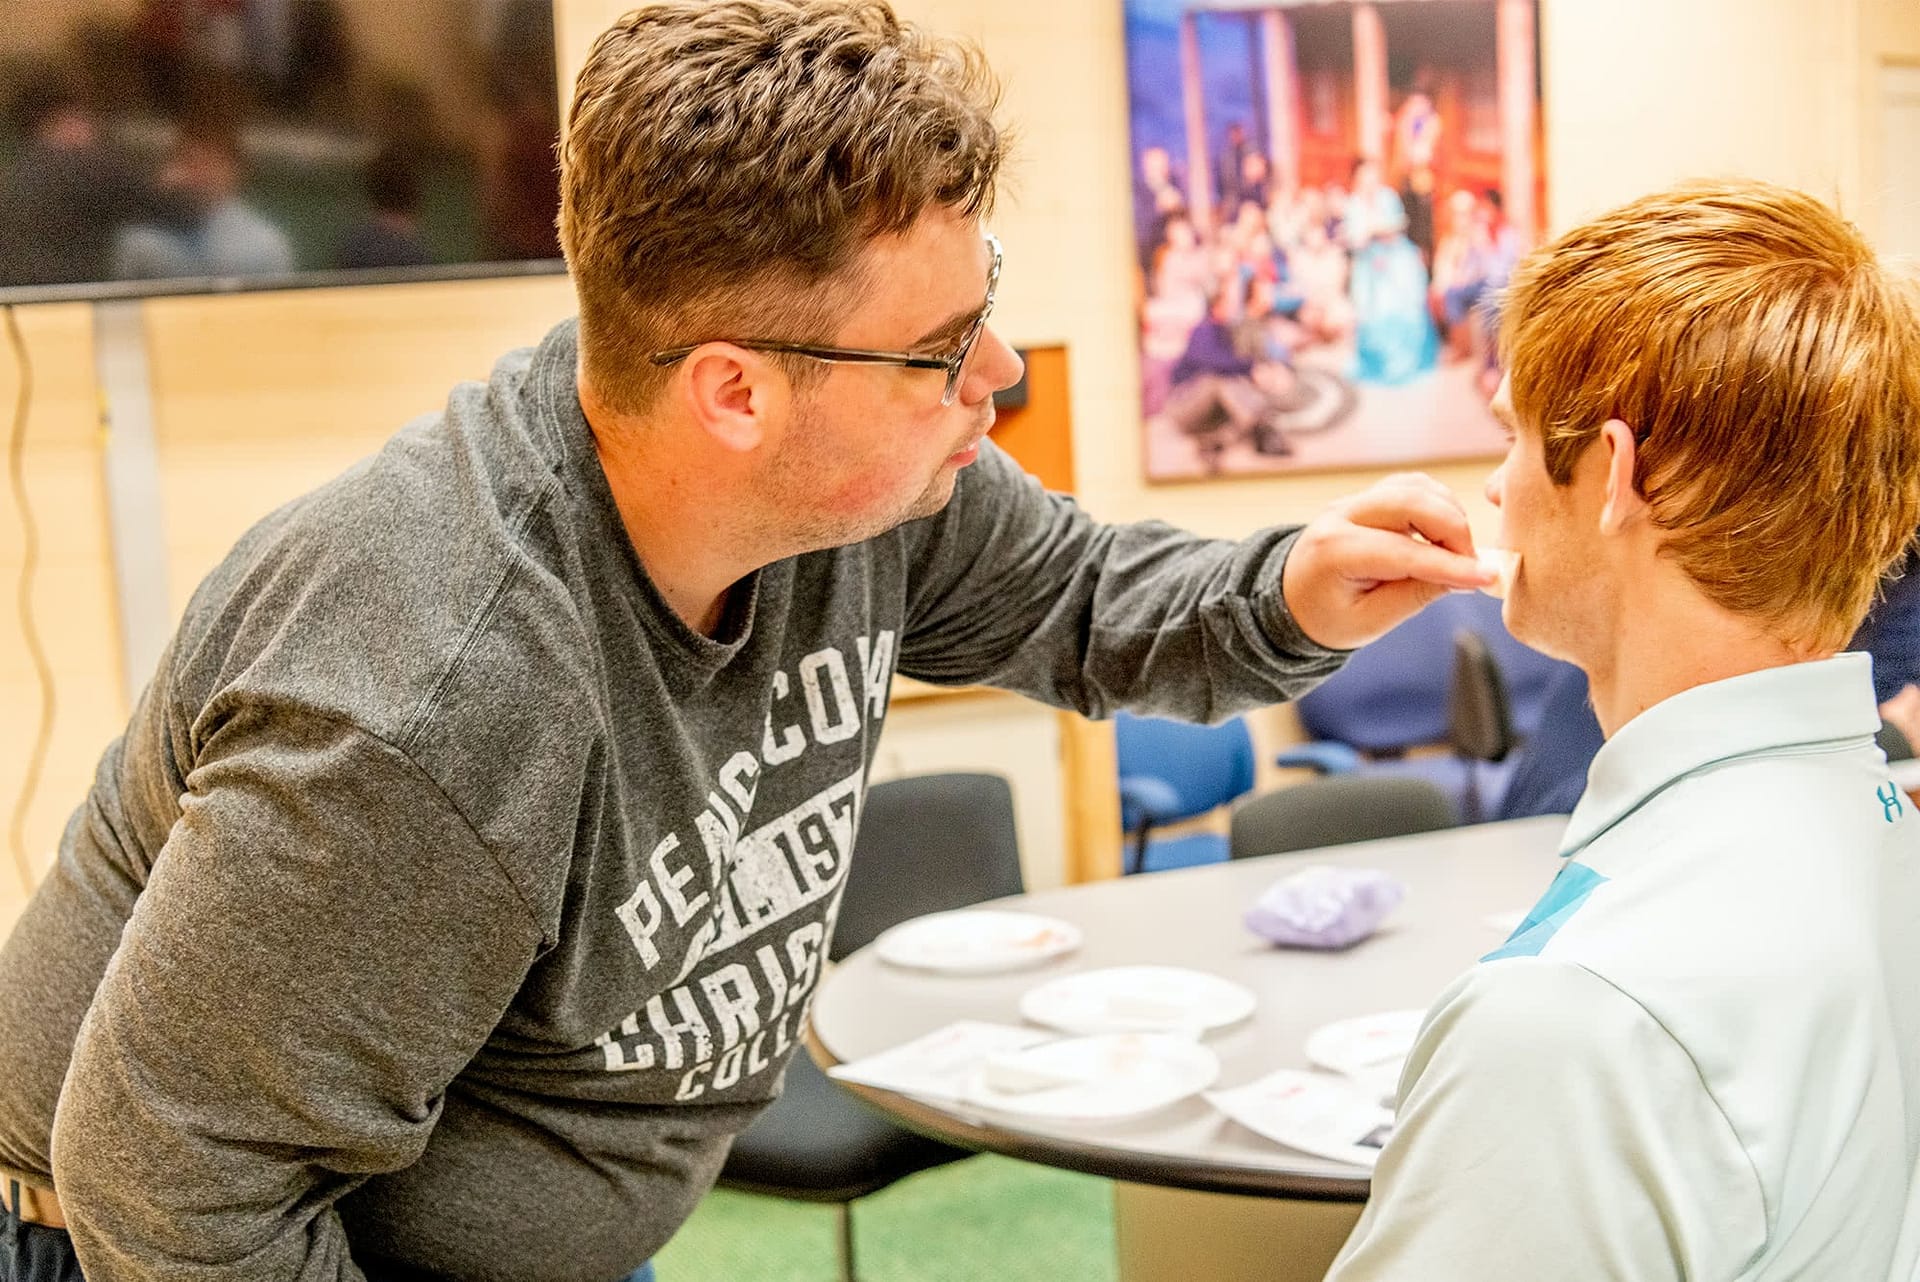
point(1551, 1128)
point(322, 945)
point(1014, 587)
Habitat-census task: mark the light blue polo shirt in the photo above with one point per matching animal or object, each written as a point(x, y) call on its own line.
point(1699, 1055)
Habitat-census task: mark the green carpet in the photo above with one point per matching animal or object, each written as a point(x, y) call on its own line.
point(987, 1219)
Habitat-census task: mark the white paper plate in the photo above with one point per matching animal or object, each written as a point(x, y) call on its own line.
point(1137, 999)
point(1110, 1077)
point(938, 1065)
point(976, 941)
point(1314, 1112)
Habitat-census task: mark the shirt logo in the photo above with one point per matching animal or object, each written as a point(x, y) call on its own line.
point(1890, 801)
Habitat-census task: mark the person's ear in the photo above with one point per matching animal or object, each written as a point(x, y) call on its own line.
point(1624, 503)
point(737, 397)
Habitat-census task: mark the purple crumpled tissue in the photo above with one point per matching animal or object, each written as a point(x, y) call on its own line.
point(1324, 907)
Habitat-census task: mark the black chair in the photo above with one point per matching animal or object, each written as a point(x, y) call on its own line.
point(1479, 716)
point(926, 845)
point(1335, 810)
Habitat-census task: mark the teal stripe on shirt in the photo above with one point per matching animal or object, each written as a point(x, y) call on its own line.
point(1562, 900)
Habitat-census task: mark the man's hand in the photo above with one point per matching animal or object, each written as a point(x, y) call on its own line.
point(1374, 560)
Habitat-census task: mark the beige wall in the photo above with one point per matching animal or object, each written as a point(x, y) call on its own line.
point(1896, 27)
point(261, 397)
point(1890, 34)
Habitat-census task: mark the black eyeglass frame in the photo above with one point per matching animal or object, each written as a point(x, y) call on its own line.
point(954, 363)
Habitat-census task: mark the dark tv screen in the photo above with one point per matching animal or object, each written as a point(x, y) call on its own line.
point(187, 146)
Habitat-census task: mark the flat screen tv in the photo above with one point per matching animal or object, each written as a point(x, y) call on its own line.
point(189, 146)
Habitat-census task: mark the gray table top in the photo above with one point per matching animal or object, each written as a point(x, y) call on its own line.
point(1455, 880)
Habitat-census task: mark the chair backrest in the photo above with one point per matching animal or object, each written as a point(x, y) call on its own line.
point(1335, 810)
point(1479, 715)
point(927, 844)
point(1529, 674)
point(1552, 771)
point(1206, 766)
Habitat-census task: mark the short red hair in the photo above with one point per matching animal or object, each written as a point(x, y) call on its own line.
point(1769, 365)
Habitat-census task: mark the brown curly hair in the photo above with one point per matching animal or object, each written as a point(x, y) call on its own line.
point(725, 161)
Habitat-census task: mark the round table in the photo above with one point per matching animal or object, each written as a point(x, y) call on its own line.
point(1464, 888)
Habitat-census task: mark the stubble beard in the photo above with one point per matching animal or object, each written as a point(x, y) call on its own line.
point(797, 481)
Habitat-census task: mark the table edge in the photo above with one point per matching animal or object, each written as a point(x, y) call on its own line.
point(1088, 1158)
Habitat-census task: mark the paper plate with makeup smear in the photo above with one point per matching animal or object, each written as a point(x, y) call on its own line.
point(1138, 999)
point(976, 941)
point(1089, 1079)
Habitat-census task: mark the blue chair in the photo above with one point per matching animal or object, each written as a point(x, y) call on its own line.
point(1174, 770)
point(1891, 632)
point(1480, 725)
point(1553, 769)
point(1451, 677)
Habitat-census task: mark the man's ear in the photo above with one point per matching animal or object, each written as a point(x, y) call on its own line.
point(1624, 504)
point(738, 398)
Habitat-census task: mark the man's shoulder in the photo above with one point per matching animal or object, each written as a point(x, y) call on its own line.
point(425, 597)
point(363, 595)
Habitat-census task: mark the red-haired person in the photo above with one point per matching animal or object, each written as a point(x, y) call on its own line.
point(1698, 1056)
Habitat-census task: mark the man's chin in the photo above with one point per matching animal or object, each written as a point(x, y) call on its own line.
point(934, 499)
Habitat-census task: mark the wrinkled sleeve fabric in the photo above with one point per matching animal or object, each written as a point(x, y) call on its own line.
point(1551, 1128)
point(322, 945)
point(1015, 587)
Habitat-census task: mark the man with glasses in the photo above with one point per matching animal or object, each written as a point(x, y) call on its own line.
point(458, 888)
point(950, 364)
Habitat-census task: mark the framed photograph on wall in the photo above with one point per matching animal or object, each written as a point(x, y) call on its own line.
point(1328, 197)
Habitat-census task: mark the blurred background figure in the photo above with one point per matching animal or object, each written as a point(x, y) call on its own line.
point(67, 192)
point(1394, 338)
point(1254, 173)
point(1416, 138)
point(1472, 264)
point(519, 171)
point(1214, 398)
point(1230, 169)
point(390, 235)
point(1156, 199)
point(223, 235)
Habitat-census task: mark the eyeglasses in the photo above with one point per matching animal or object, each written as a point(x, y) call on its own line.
point(954, 363)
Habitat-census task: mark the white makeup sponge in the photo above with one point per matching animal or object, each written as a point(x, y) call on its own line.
point(1502, 563)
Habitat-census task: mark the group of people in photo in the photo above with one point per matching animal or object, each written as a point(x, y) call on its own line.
point(1356, 281)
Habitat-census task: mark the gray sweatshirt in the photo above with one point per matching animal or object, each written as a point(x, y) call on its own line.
point(448, 904)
